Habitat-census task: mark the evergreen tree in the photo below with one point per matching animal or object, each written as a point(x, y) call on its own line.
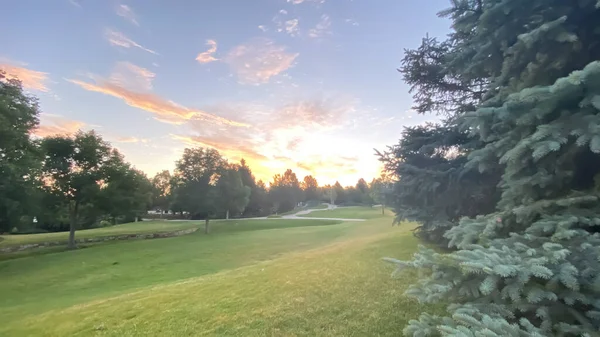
point(532, 267)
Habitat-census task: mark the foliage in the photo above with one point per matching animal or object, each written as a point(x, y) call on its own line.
point(161, 192)
point(19, 159)
point(232, 194)
point(195, 177)
point(530, 268)
point(433, 185)
point(126, 192)
point(74, 170)
point(285, 192)
point(310, 188)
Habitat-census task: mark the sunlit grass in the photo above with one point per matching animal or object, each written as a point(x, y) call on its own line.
point(129, 228)
point(347, 213)
point(314, 280)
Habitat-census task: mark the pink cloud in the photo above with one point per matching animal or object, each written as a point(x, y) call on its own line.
point(55, 125)
point(129, 75)
point(259, 60)
point(164, 110)
point(207, 56)
point(30, 79)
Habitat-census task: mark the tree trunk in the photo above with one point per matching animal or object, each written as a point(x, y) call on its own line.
point(382, 209)
point(206, 227)
point(72, 224)
point(227, 215)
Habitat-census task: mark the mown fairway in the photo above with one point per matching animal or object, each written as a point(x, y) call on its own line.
point(248, 278)
point(347, 213)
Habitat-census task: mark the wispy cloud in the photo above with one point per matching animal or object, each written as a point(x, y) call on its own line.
point(131, 140)
point(263, 28)
point(127, 13)
point(76, 3)
point(284, 136)
point(119, 39)
point(129, 75)
point(54, 125)
point(30, 79)
point(164, 110)
point(297, 2)
point(322, 28)
point(207, 56)
point(351, 22)
point(259, 60)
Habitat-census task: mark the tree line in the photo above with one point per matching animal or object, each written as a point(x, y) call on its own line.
point(69, 182)
point(509, 180)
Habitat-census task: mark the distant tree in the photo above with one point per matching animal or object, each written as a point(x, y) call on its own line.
point(74, 170)
point(232, 195)
point(196, 175)
point(327, 194)
point(258, 203)
point(125, 192)
point(161, 190)
point(310, 188)
point(285, 192)
point(380, 191)
point(19, 159)
point(341, 195)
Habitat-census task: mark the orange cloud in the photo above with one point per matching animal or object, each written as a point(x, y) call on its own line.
point(207, 56)
point(166, 111)
point(30, 79)
point(259, 60)
point(127, 13)
point(120, 40)
point(129, 75)
point(54, 125)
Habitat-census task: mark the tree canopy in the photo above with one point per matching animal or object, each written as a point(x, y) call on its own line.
point(519, 84)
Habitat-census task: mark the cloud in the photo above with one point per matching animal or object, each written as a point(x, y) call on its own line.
point(297, 2)
point(127, 13)
point(76, 3)
point(291, 27)
point(30, 79)
point(165, 110)
point(322, 28)
point(55, 125)
point(351, 22)
point(318, 113)
point(129, 75)
point(259, 60)
point(263, 28)
point(120, 40)
point(131, 140)
point(207, 56)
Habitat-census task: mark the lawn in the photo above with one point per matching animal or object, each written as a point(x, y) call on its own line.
point(248, 278)
point(129, 228)
point(347, 213)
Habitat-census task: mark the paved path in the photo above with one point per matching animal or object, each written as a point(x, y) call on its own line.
point(296, 216)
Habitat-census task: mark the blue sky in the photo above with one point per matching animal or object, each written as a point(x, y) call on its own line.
point(309, 85)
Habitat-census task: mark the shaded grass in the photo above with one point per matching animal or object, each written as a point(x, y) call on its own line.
point(347, 213)
point(129, 228)
point(304, 281)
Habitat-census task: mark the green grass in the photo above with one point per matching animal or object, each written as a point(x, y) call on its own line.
point(347, 213)
point(129, 228)
point(248, 278)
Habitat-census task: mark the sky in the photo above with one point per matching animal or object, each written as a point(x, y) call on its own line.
point(310, 85)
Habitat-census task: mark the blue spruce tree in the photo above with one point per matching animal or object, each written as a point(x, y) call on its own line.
point(531, 267)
